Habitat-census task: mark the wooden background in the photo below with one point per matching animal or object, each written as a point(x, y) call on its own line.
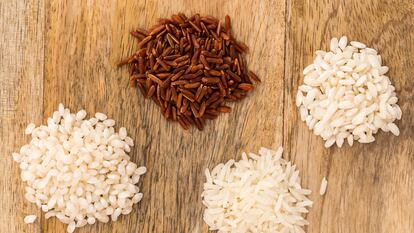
point(65, 51)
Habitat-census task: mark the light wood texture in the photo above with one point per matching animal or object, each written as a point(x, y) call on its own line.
point(21, 97)
point(66, 51)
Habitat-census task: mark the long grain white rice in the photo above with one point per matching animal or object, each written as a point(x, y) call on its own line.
point(259, 193)
point(346, 95)
point(78, 170)
point(324, 185)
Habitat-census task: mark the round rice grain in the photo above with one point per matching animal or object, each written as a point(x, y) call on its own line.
point(347, 95)
point(83, 172)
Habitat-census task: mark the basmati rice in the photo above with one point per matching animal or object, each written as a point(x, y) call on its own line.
point(324, 185)
point(259, 193)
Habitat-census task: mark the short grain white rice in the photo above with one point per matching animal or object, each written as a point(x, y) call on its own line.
point(30, 128)
point(259, 193)
point(346, 95)
point(78, 170)
point(30, 219)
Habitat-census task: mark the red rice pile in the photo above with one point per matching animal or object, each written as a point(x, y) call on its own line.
point(190, 67)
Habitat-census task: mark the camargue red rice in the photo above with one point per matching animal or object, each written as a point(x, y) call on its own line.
point(259, 193)
point(346, 94)
point(78, 170)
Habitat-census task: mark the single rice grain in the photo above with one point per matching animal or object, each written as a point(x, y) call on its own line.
point(324, 185)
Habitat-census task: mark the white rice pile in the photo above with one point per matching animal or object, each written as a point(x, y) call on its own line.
point(260, 193)
point(78, 170)
point(346, 94)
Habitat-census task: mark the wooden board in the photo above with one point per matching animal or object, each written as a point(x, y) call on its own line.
point(21, 101)
point(66, 51)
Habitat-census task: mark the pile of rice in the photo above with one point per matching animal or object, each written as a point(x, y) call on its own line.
point(260, 193)
point(346, 94)
point(78, 170)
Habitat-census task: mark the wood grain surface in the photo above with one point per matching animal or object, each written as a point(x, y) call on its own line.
point(66, 51)
point(21, 100)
